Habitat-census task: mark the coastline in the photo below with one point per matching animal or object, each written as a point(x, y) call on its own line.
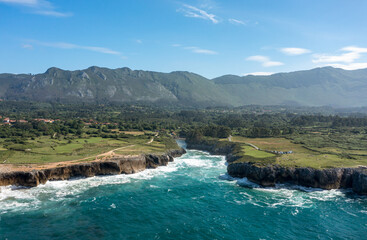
point(269, 175)
point(112, 166)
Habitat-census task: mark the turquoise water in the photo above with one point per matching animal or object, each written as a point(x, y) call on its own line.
point(191, 198)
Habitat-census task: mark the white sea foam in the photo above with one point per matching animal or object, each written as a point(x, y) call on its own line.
point(295, 212)
point(23, 199)
point(202, 161)
point(227, 177)
point(196, 164)
point(283, 194)
point(244, 182)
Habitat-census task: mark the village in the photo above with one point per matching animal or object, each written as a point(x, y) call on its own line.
point(8, 121)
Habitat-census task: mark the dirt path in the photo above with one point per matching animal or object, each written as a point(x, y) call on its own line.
point(250, 144)
point(26, 167)
point(151, 140)
point(99, 157)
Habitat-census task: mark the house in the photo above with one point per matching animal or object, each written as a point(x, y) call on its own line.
point(44, 120)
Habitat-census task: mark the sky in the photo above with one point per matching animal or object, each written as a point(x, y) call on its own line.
point(208, 37)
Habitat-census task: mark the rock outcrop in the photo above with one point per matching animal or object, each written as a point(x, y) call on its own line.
point(112, 166)
point(331, 178)
point(328, 178)
point(215, 147)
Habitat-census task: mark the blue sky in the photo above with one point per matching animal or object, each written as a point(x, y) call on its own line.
point(208, 37)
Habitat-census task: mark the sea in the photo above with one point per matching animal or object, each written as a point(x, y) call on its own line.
point(191, 198)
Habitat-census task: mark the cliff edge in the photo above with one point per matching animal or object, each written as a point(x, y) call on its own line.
point(112, 166)
point(269, 175)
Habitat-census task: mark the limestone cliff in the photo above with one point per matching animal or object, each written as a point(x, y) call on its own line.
point(330, 178)
point(112, 166)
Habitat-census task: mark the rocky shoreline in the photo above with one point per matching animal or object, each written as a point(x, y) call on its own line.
point(269, 175)
point(112, 166)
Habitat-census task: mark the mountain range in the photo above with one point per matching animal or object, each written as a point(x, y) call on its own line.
point(325, 86)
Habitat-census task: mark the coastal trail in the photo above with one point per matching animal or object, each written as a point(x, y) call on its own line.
point(250, 144)
point(99, 157)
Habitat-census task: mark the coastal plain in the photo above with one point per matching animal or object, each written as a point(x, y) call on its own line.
point(43, 152)
point(303, 152)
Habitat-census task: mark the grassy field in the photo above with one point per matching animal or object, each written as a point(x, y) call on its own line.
point(159, 146)
point(304, 155)
point(46, 150)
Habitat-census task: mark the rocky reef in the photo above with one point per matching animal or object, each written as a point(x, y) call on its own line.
point(112, 166)
point(269, 175)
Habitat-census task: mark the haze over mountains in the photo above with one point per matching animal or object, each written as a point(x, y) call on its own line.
point(317, 87)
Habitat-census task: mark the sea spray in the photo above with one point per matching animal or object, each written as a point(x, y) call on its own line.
point(190, 198)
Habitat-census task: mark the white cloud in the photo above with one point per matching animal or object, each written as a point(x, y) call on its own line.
point(21, 2)
point(53, 13)
point(194, 12)
point(200, 50)
point(99, 49)
point(27, 46)
point(195, 49)
point(351, 66)
point(258, 74)
point(236, 22)
point(265, 61)
point(354, 49)
point(139, 41)
point(272, 64)
point(40, 7)
point(345, 60)
point(64, 45)
point(352, 53)
point(258, 58)
point(294, 51)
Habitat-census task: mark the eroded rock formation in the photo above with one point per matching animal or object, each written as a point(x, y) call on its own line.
point(112, 166)
point(328, 178)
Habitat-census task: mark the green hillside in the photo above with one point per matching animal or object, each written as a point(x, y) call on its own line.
point(113, 85)
point(316, 87)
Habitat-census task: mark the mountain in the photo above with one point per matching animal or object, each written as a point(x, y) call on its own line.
point(97, 84)
point(316, 87)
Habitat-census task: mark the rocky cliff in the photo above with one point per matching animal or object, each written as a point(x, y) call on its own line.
point(215, 147)
point(330, 178)
point(112, 166)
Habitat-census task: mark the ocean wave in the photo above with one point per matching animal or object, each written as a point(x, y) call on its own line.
point(284, 195)
point(227, 177)
point(23, 199)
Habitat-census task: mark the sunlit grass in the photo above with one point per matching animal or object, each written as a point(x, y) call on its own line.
point(326, 157)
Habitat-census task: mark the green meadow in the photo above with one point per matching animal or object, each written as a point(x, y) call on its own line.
point(318, 153)
point(47, 150)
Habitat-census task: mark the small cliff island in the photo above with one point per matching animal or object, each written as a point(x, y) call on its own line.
point(267, 172)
